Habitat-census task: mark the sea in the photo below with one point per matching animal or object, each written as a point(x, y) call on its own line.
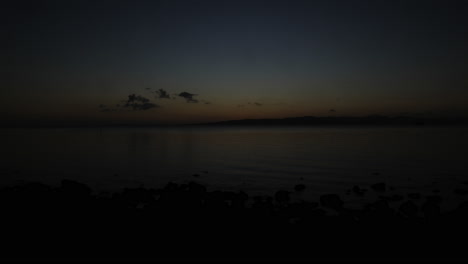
point(257, 160)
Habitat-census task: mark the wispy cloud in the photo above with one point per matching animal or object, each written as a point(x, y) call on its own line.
point(138, 102)
point(188, 97)
point(162, 94)
point(105, 108)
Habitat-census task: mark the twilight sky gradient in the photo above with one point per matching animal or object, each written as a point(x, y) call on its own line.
point(75, 61)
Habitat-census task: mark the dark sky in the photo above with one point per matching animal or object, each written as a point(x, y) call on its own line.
point(105, 61)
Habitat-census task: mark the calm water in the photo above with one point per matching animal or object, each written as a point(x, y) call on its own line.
point(258, 160)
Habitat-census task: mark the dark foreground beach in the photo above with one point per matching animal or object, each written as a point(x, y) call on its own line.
point(187, 222)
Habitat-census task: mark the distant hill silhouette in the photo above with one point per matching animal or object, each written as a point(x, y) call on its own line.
point(373, 120)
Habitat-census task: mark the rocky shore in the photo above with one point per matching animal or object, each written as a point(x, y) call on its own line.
point(188, 222)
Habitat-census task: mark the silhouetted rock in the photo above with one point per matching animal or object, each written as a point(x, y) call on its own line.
point(379, 209)
point(282, 196)
point(332, 201)
point(197, 189)
point(240, 200)
point(431, 207)
point(299, 187)
point(409, 208)
point(460, 191)
point(462, 211)
point(393, 198)
point(358, 191)
point(178, 213)
point(379, 187)
point(137, 197)
point(434, 198)
point(75, 188)
point(170, 187)
point(414, 196)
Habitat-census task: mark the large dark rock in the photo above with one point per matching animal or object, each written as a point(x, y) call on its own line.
point(409, 209)
point(359, 191)
point(431, 207)
point(332, 201)
point(299, 187)
point(460, 191)
point(75, 188)
point(282, 196)
point(392, 198)
point(414, 196)
point(379, 187)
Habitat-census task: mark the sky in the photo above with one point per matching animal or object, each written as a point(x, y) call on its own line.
point(173, 61)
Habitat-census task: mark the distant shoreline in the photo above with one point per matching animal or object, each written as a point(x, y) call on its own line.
point(335, 121)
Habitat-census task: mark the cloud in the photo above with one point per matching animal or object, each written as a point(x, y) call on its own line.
point(332, 111)
point(134, 103)
point(162, 94)
point(137, 98)
point(258, 104)
point(188, 97)
point(138, 102)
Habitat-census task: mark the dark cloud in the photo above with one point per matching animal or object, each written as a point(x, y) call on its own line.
point(133, 98)
point(134, 103)
point(332, 111)
point(138, 102)
point(188, 97)
point(147, 88)
point(205, 102)
point(162, 94)
point(258, 104)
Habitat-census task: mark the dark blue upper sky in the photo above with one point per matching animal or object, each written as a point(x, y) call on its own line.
point(80, 60)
